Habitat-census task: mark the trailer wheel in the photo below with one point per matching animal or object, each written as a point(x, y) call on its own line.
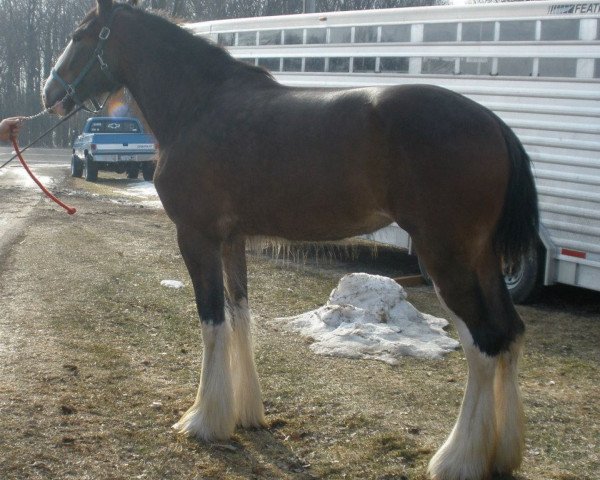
point(426, 278)
point(90, 169)
point(525, 282)
point(148, 171)
point(76, 166)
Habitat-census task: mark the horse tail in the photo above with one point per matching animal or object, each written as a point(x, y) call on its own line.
point(516, 235)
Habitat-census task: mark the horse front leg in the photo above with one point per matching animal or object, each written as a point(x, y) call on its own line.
point(246, 388)
point(212, 415)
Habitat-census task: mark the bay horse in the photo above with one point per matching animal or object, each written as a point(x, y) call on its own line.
point(243, 156)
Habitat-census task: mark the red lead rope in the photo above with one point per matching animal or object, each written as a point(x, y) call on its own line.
point(70, 210)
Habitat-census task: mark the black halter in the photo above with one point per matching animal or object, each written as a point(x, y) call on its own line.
point(97, 56)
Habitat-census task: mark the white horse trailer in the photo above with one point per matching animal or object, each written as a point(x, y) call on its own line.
point(536, 64)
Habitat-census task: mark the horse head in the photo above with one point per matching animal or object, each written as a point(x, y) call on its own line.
point(87, 67)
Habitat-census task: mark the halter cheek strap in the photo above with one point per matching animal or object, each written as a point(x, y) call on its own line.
point(97, 56)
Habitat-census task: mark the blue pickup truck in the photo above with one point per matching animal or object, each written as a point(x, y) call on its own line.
point(115, 144)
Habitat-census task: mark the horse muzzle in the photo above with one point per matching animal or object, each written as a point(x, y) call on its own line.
point(55, 98)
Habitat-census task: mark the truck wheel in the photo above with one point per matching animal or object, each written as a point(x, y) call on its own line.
point(90, 169)
point(148, 171)
point(76, 166)
point(524, 283)
point(133, 170)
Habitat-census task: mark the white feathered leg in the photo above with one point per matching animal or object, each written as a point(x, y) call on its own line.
point(248, 400)
point(510, 419)
point(468, 452)
point(212, 415)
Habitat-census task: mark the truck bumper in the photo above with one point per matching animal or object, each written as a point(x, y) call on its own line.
point(119, 158)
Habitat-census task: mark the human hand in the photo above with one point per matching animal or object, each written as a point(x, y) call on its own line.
point(10, 127)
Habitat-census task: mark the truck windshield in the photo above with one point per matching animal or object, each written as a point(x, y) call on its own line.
point(114, 126)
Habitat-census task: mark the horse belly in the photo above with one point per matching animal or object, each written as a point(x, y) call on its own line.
point(316, 223)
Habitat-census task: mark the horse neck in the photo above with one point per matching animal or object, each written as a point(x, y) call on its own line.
point(171, 75)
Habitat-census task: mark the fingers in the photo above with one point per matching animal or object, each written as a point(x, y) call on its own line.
point(16, 123)
point(10, 127)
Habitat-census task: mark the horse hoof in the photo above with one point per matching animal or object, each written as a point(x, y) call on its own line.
point(252, 419)
point(448, 465)
point(205, 427)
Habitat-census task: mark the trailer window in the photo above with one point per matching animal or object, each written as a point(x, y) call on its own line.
point(246, 39)
point(365, 35)
point(314, 65)
point(395, 33)
point(316, 35)
point(438, 66)
point(339, 64)
point(439, 32)
point(364, 64)
point(394, 64)
point(269, 37)
point(271, 64)
point(517, 31)
point(518, 67)
point(292, 64)
point(557, 67)
point(478, 32)
point(597, 68)
point(292, 37)
point(476, 66)
point(560, 29)
point(226, 39)
point(340, 35)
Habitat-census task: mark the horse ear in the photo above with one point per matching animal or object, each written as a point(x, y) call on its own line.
point(133, 3)
point(104, 6)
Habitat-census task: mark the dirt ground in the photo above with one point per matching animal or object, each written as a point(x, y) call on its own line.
point(98, 360)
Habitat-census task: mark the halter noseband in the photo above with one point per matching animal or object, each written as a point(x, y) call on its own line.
point(97, 56)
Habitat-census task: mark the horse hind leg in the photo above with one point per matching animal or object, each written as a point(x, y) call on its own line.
point(510, 418)
point(249, 411)
point(488, 434)
point(211, 417)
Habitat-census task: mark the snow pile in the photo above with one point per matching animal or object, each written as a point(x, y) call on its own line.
point(367, 316)
point(172, 284)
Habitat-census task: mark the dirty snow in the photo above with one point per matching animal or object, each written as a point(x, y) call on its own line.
point(145, 192)
point(21, 178)
point(141, 189)
point(367, 316)
point(172, 284)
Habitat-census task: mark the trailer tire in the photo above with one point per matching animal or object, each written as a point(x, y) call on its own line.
point(90, 169)
point(525, 283)
point(426, 278)
point(76, 166)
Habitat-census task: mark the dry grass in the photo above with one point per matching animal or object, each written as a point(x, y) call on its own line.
point(98, 361)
